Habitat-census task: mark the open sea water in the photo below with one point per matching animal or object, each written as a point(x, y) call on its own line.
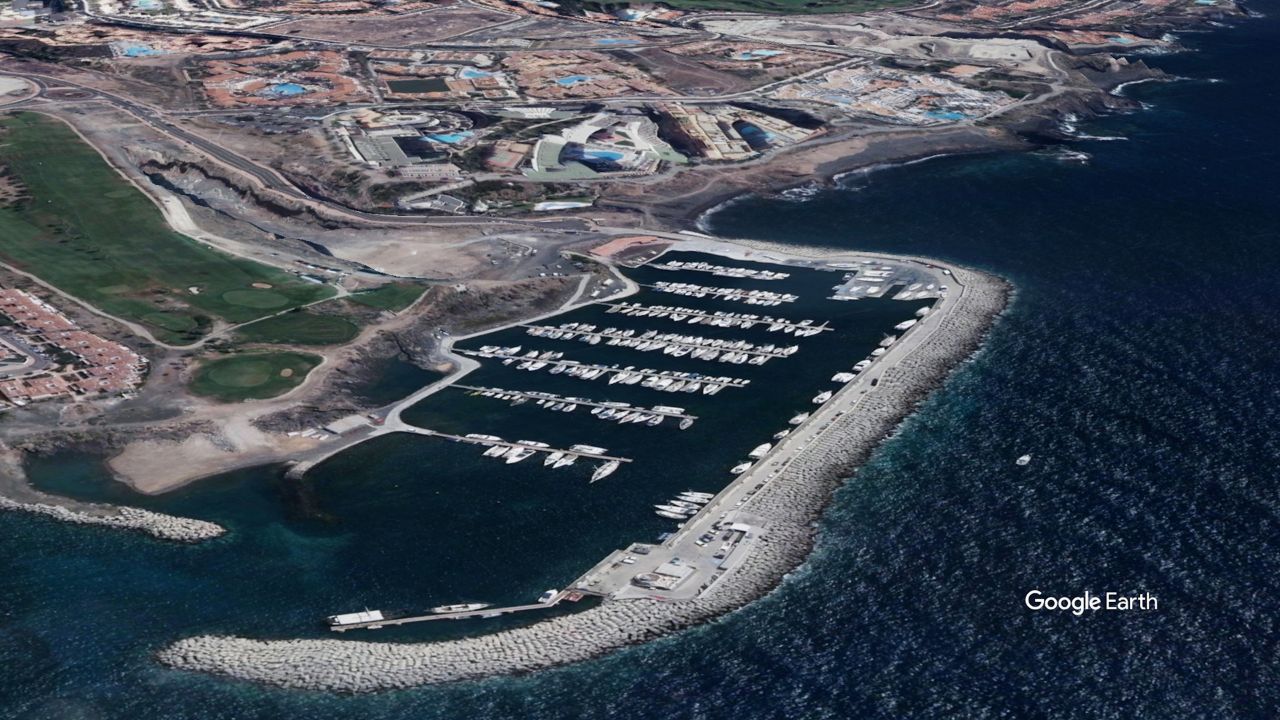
point(1138, 365)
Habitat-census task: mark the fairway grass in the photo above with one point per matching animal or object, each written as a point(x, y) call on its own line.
point(299, 328)
point(252, 376)
point(93, 235)
point(393, 297)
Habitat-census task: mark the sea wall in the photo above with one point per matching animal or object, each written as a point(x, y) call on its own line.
point(17, 494)
point(790, 503)
point(164, 527)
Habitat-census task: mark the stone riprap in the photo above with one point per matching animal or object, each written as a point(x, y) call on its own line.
point(165, 527)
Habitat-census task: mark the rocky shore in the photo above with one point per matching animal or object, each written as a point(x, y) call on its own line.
point(791, 503)
point(159, 525)
point(17, 494)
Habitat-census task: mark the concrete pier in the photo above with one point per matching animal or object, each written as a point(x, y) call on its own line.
point(489, 612)
point(477, 441)
point(659, 342)
point(552, 397)
point(664, 312)
point(608, 370)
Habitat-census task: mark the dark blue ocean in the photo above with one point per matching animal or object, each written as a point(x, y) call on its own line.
point(1139, 365)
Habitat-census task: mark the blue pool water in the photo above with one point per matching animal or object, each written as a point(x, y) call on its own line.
point(287, 89)
point(757, 54)
point(137, 50)
point(472, 74)
point(451, 138)
point(946, 115)
point(601, 155)
point(573, 80)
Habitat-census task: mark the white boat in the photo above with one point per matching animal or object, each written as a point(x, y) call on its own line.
point(356, 618)
point(760, 451)
point(588, 449)
point(605, 470)
point(740, 468)
point(685, 504)
point(518, 454)
point(548, 596)
point(905, 324)
point(671, 515)
point(565, 461)
point(686, 423)
point(554, 458)
point(1025, 459)
point(799, 418)
point(704, 496)
point(496, 451)
point(695, 499)
point(676, 510)
point(781, 434)
point(461, 607)
point(822, 397)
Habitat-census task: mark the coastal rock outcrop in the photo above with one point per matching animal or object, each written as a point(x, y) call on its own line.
point(165, 527)
point(791, 504)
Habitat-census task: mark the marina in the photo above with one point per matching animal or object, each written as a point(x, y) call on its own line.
point(719, 318)
point(742, 295)
point(664, 380)
point(604, 410)
point(676, 345)
point(525, 448)
point(722, 270)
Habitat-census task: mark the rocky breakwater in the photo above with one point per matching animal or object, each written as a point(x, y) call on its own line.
point(17, 494)
point(165, 527)
point(790, 502)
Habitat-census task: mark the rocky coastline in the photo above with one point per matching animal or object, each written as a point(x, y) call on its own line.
point(791, 504)
point(16, 494)
point(157, 525)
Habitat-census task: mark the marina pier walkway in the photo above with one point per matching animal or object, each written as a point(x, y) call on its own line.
point(489, 612)
point(655, 342)
point(492, 441)
point(552, 397)
point(568, 364)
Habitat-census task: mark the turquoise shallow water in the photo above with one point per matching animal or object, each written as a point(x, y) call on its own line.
point(1138, 364)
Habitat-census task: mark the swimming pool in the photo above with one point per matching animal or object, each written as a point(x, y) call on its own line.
point(609, 155)
point(285, 89)
point(451, 138)
point(757, 54)
point(573, 80)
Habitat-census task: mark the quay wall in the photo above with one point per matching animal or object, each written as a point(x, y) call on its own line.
point(790, 503)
